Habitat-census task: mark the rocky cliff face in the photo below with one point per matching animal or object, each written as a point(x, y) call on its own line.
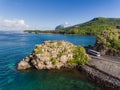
point(49, 55)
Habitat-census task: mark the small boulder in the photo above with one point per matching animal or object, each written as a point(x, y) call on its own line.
point(23, 65)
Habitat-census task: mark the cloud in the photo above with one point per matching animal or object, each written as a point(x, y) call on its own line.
point(65, 24)
point(18, 24)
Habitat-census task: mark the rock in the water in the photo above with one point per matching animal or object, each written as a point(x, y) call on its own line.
point(52, 55)
point(23, 65)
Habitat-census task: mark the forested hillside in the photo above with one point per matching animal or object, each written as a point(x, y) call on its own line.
point(94, 27)
point(107, 31)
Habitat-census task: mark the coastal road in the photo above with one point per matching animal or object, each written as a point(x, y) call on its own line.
point(107, 64)
point(112, 59)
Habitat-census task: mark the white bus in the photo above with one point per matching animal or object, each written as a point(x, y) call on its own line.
point(93, 52)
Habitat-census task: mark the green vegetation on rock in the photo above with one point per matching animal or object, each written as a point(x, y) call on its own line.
point(38, 50)
point(59, 44)
point(64, 53)
point(54, 61)
point(79, 56)
point(109, 41)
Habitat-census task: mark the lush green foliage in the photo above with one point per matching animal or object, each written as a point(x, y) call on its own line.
point(110, 39)
point(80, 56)
point(94, 27)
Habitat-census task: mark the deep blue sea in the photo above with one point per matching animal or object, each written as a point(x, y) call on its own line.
point(14, 46)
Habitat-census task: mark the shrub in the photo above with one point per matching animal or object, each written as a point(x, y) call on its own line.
point(80, 56)
point(54, 61)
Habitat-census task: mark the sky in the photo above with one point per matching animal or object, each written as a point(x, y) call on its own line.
point(47, 14)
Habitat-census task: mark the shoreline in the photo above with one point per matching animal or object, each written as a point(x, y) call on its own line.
point(101, 78)
point(56, 33)
point(97, 76)
point(61, 54)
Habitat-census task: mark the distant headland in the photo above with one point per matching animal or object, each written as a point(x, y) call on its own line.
point(107, 31)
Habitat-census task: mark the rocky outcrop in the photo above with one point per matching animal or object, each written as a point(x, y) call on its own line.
point(108, 43)
point(105, 50)
point(49, 55)
point(23, 65)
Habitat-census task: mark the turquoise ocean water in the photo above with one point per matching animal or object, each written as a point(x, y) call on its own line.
point(14, 46)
